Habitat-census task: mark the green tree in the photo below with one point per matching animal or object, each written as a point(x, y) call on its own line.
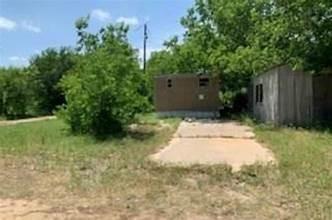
point(298, 33)
point(239, 39)
point(102, 90)
point(2, 89)
point(15, 92)
point(48, 68)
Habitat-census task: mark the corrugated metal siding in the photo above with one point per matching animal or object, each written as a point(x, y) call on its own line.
point(288, 96)
point(266, 111)
point(295, 96)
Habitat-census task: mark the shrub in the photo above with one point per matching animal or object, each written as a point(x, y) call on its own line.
point(102, 89)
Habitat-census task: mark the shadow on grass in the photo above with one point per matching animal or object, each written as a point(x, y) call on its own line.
point(318, 126)
point(140, 134)
point(18, 117)
point(321, 127)
point(255, 174)
point(216, 172)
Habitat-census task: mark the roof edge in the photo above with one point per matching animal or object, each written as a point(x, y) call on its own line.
point(184, 75)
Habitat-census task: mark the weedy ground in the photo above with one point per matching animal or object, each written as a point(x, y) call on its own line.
point(114, 179)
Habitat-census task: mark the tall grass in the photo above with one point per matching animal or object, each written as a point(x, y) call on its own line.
point(305, 164)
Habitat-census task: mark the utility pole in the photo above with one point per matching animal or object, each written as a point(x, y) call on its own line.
point(144, 47)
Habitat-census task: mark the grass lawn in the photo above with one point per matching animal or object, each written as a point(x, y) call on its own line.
point(113, 178)
point(305, 166)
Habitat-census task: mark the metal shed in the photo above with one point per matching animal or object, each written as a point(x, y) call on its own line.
point(284, 96)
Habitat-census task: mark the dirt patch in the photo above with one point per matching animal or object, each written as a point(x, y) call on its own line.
point(22, 209)
point(36, 210)
point(166, 194)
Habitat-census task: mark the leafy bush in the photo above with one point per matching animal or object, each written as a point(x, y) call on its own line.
point(15, 93)
point(101, 91)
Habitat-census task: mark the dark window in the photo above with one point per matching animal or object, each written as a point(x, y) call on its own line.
point(169, 83)
point(259, 93)
point(203, 82)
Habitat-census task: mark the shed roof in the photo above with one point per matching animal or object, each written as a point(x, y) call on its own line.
point(265, 71)
point(184, 75)
point(268, 71)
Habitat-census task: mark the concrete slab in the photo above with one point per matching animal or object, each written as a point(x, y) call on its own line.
point(213, 128)
point(233, 152)
point(212, 142)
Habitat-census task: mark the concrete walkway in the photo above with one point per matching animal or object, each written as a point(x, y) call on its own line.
point(213, 142)
point(20, 121)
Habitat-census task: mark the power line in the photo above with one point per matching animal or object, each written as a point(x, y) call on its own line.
point(144, 46)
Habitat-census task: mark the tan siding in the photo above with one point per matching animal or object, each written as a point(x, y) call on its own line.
point(184, 94)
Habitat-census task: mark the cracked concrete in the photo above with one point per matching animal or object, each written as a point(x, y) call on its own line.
point(213, 128)
point(213, 142)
